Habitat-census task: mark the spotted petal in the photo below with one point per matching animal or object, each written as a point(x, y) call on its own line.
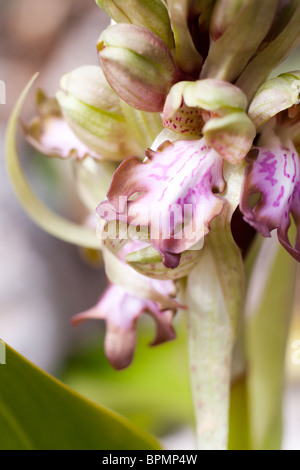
point(172, 193)
point(214, 109)
point(275, 174)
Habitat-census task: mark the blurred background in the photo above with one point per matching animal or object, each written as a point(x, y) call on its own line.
point(44, 282)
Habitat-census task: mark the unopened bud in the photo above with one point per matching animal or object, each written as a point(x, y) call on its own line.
point(138, 66)
point(274, 96)
point(152, 15)
point(94, 113)
point(224, 13)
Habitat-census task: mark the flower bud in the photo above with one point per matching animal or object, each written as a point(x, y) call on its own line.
point(183, 13)
point(138, 66)
point(50, 135)
point(274, 96)
point(224, 13)
point(152, 15)
point(230, 54)
point(94, 113)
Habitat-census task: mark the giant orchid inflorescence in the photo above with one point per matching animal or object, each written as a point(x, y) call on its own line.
point(185, 143)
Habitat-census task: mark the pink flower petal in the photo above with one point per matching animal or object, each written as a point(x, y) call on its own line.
point(275, 174)
point(174, 195)
point(53, 137)
point(121, 312)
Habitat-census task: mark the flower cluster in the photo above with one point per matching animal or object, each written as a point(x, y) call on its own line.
point(182, 99)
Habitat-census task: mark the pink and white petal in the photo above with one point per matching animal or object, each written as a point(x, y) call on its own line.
point(275, 175)
point(175, 195)
point(121, 311)
point(53, 137)
point(231, 135)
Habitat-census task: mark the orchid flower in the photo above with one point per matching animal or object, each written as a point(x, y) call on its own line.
point(121, 311)
point(185, 149)
point(274, 165)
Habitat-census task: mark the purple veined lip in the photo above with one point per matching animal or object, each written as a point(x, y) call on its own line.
point(179, 174)
point(275, 175)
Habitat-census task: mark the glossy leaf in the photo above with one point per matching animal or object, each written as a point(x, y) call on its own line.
point(38, 413)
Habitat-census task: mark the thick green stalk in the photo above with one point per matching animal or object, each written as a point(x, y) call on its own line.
point(215, 295)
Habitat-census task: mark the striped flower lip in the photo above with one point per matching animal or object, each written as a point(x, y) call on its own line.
point(175, 193)
point(274, 173)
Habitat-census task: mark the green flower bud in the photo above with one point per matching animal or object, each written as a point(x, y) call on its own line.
point(230, 54)
point(183, 13)
point(224, 13)
point(138, 66)
point(94, 113)
point(274, 96)
point(150, 14)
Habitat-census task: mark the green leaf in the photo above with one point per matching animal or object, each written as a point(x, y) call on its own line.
point(268, 312)
point(37, 211)
point(38, 412)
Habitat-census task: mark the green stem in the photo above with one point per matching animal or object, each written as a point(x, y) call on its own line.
point(215, 296)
